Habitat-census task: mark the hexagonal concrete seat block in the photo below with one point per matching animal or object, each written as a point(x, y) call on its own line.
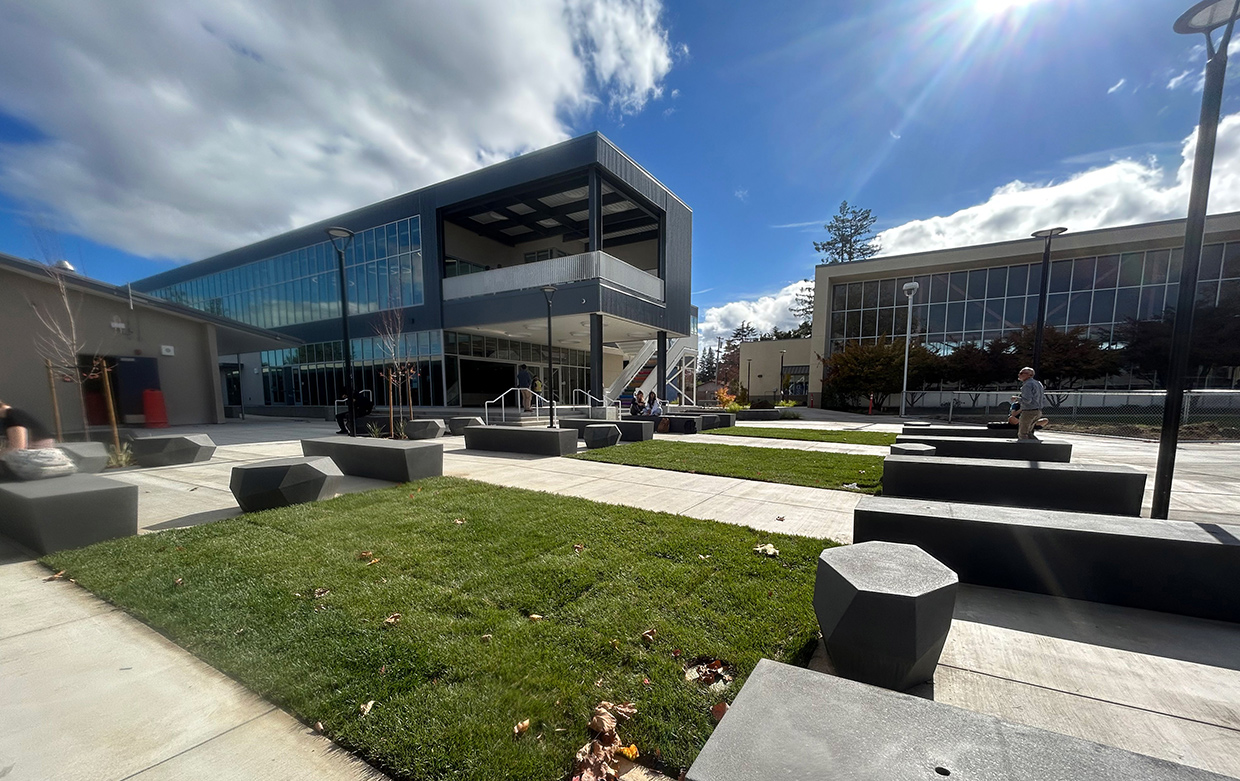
point(456, 426)
point(89, 457)
point(884, 609)
point(170, 449)
point(284, 481)
point(912, 449)
point(424, 429)
point(599, 435)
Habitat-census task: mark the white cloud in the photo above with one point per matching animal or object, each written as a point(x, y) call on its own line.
point(1179, 81)
point(741, 193)
point(182, 130)
point(1120, 193)
point(1117, 85)
point(763, 313)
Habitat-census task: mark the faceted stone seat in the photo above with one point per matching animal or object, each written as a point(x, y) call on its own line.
point(601, 435)
point(170, 449)
point(74, 511)
point(284, 481)
point(424, 429)
point(912, 449)
point(89, 457)
point(456, 426)
point(885, 610)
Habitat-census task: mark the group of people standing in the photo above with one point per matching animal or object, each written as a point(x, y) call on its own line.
point(648, 405)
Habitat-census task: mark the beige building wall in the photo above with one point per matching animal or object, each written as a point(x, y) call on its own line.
point(760, 364)
point(189, 378)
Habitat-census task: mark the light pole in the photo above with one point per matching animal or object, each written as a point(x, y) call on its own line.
point(749, 380)
point(1204, 17)
point(1048, 234)
point(549, 292)
point(341, 238)
point(781, 374)
point(910, 290)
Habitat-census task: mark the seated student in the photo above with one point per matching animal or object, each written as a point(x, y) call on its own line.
point(653, 407)
point(362, 406)
point(23, 431)
point(638, 407)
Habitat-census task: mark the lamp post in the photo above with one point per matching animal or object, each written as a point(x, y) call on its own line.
point(781, 374)
point(749, 380)
point(341, 238)
point(1048, 234)
point(1204, 17)
point(910, 290)
point(549, 292)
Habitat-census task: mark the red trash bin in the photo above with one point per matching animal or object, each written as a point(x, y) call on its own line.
point(154, 410)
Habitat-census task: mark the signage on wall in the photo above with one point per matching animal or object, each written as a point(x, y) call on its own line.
point(167, 349)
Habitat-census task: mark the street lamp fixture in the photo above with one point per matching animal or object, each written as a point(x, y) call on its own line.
point(549, 292)
point(1048, 234)
point(1204, 17)
point(341, 239)
point(749, 379)
point(781, 374)
point(910, 290)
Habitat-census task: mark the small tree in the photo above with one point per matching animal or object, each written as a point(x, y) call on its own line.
point(863, 370)
point(730, 361)
point(803, 303)
point(1068, 357)
point(850, 236)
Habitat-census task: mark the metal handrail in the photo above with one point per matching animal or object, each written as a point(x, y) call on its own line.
point(603, 402)
point(363, 392)
point(503, 407)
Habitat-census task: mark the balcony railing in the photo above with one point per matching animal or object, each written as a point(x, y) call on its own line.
point(557, 271)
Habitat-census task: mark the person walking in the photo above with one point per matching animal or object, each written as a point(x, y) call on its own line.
point(1032, 397)
point(23, 430)
point(525, 381)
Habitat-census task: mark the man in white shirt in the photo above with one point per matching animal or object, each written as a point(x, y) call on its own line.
point(1032, 397)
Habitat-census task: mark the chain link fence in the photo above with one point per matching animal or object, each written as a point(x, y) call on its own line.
point(1207, 414)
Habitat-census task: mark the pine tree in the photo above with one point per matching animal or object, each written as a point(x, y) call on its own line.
point(803, 305)
point(851, 237)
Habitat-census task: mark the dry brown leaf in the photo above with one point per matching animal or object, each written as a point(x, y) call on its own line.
point(675, 653)
point(319, 593)
point(383, 670)
point(603, 721)
point(458, 520)
point(535, 617)
point(57, 576)
point(578, 548)
point(392, 619)
point(486, 638)
point(521, 727)
point(177, 582)
point(779, 517)
point(365, 708)
point(649, 634)
point(366, 554)
point(318, 727)
point(624, 711)
point(718, 709)
point(767, 550)
point(372, 561)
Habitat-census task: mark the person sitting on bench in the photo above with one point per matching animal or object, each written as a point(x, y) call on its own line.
point(23, 430)
point(1014, 416)
point(361, 405)
point(638, 407)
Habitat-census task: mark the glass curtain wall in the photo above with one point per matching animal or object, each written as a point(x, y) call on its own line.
point(1098, 293)
point(383, 270)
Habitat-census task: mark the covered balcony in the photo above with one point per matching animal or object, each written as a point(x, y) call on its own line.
point(601, 266)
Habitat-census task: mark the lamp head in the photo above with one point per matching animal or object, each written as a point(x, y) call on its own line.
point(341, 237)
point(548, 291)
point(1046, 233)
point(1206, 16)
point(911, 288)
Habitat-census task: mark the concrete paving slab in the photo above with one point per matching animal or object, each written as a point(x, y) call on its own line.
point(26, 597)
point(764, 515)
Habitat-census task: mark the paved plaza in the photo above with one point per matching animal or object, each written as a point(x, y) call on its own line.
point(92, 693)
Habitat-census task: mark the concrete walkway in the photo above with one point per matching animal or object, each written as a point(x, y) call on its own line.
point(91, 693)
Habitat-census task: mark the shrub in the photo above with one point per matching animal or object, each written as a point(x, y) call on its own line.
point(724, 398)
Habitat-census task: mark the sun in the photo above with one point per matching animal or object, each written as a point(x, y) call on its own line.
point(992, 8)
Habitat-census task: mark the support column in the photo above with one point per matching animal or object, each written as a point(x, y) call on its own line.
point(661, 370)
point(595, 207)
point(596, 357)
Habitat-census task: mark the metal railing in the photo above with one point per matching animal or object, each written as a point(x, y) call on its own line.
point(336, 404)
point(590, 397)
point(1207, 415)
point(556, 271)
point(538, 401)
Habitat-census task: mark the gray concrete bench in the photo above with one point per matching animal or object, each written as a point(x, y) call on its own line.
point(793, 723)
point(171, 449)
point(394, 460)
point(726, 419)
point(601, 435)
point(912, 449)
point(709, 421)
point(630, 430)
point(929, 430)
point(983, 447)
point(514, 439)
point(759, 414)
point(457, 426)
point(431, 428)
point(1172, 566)
point(90, 458)
point(677, 424)
point(68, 512)
point(1113, 490)
point(283, 481)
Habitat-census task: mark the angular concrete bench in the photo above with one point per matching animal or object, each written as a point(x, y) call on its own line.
point(793, 723)
point(709, 421)
point(1113, 490)
point(91, 458)
point(982, 447)
point(283, 481)
point(677, 424)
point(630, 430)
point(601, 435)
point(912, 449)
point(957, 431)
point(513, 439)
point(171, 449)
point(394, 460)
point(1173, 566)
point(424, 429)
point(726, 419)
point(68, 512)
point(759, 414)
point(457, 426)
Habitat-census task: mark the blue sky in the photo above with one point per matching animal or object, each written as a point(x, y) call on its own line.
point(132, 139)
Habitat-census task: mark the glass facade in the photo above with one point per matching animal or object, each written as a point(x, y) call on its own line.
point(383, 270)
point(977, 305)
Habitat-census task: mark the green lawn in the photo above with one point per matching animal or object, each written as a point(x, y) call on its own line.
point(808, 435)
point(771, 465)
point(241, 594)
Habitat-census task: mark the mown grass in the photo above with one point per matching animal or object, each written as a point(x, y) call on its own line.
point(840, 471)
point(240, 594)
point(808, 435)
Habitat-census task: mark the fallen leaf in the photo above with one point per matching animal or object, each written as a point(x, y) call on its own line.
point(383, 670)
point(851, 485)
point(535, 617)
point(177, 582)
point(458, 521)
point(372, 561)
point(392, 619)
point(718, 709)
point(649, 634)
point(319, 593)
point(318, 727)
point(486, 638)
point(779, 517)
point(602, 720)
point(646, 682)
point(767, 550)
point(700, 556)
point(675, 653)
point(366, 554)
point(578, 548)
point(365, 708)
point(598, 684)
point(521, 727)
point(57, 576)
point(239, 631)
point(615, 644)
point(630, 753)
